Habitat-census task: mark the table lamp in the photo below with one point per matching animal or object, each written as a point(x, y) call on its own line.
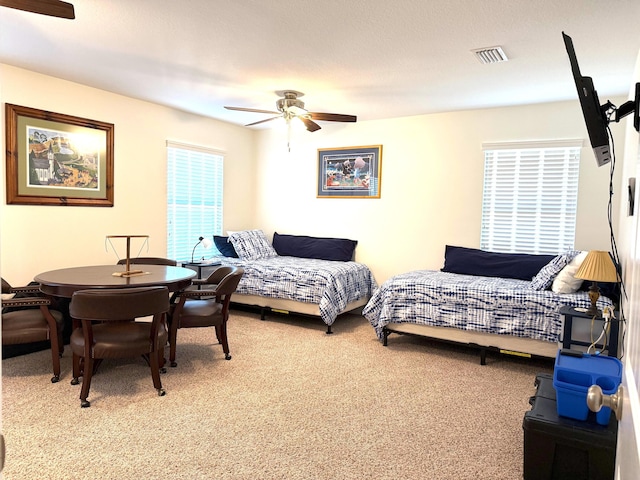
point(206, 243)
point(597, 267)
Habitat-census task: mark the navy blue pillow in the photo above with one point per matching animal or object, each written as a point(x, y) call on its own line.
point(471, 261)
point(224, 246)
point(338, 249)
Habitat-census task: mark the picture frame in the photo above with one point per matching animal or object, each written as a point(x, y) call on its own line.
point(57, 159)
point(349, 172)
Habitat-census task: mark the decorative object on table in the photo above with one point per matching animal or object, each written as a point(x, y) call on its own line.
point(58, 159)
point(350, 172)
point(205, 307)
point(127, 260)
point(597, 267)
point(206, 243)
point(26, 318)
point(104, 332)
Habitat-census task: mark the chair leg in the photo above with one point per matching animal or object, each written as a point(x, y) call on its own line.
point(86, 382)
point(221, 333)
point(155, 372)
point(173, 335)
point(55, 358)
point(77, 370)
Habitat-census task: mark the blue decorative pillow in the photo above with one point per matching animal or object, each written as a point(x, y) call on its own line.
point(338, 249)
point(224, 246)
point(544, 278)
point(471, 261)
point(252, 245)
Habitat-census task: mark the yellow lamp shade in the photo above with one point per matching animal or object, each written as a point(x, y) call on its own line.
point(598, 267)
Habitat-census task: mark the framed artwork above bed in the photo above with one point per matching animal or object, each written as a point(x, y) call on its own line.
point(349, 172)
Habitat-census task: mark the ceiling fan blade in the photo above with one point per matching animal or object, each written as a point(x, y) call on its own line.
point(241, 109)
point(52, 8)
point(311, 125)
point(332, 117)
point(262, 121)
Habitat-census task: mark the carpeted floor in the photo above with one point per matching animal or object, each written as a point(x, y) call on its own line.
point(293, 403)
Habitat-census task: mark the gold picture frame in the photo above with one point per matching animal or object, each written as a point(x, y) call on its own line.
point(58, 159)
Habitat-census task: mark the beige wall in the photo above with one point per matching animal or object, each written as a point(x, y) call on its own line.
point(432, 173)
point(40, 238)
point(432, 170)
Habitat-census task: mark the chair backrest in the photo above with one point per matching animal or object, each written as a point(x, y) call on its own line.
point(149, 261)
point(218, 274)
point(230, 282)
point(119, 303)
point(6, 288)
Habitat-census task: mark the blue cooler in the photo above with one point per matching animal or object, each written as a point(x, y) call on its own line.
point(572, 377)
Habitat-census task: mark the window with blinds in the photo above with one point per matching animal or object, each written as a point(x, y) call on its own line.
point(194, 198)
point(530, 197)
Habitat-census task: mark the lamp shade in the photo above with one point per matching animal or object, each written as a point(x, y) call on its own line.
point(598, 267)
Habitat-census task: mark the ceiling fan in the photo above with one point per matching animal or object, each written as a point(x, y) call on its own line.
point(52, 8)
point(290, 107)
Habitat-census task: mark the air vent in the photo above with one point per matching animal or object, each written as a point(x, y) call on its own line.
point(490, 55)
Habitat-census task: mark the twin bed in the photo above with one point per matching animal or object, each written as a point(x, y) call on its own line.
point(493, 301)
point(308, 275)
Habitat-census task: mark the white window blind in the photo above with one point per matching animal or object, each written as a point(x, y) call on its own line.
point(530, 197)
point(194, 198)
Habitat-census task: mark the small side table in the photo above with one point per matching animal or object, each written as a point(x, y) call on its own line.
point(199, 266)
point(571, 315)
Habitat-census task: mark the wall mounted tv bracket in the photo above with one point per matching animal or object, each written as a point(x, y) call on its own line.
point(627, 108)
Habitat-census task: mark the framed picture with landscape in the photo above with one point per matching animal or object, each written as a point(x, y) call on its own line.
point(350, 172)
point(58, 159)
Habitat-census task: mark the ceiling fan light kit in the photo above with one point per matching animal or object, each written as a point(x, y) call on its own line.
point(290, 106)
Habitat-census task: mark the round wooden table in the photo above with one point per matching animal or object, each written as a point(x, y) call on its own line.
point(63, 282)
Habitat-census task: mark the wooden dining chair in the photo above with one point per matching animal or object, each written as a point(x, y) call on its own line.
point(106, 330)
point(26, 318)
point(206, 307)
point(148, 261)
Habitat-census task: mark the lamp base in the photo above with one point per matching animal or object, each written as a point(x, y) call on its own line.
point(594, 295)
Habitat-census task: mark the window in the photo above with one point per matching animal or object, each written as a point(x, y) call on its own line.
point(530, 196)
point(194, 197)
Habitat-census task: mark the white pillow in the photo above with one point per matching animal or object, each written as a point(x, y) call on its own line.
point(251, 245)
point(546, 275)
point(565, 282)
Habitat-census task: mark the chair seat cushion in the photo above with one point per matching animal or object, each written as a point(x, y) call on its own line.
point(118, 339)
point(201, 313)
point(26, 326)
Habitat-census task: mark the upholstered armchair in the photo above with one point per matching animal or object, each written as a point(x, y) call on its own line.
point(26, 318)
point(208, 306)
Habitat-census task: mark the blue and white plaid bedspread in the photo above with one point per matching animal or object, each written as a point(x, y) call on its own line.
point(330, 285)
point(483, 304)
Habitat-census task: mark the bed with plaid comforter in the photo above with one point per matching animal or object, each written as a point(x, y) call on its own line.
point(493, 305)
point(331, 285)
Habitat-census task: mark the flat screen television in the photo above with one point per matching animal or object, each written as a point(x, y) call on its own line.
point(594, 114)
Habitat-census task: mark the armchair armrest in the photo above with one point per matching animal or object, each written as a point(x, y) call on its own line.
point(197, 293)
point(26, 302)
point(26, 289)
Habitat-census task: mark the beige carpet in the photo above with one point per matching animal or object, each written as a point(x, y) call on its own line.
point(293, 403)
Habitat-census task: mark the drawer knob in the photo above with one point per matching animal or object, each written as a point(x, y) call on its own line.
point(596, 400)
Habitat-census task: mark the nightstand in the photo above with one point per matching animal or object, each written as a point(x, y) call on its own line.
point(576, 322)
point(199, 266)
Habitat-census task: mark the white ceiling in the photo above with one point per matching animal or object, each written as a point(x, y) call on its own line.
point(370, 58)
